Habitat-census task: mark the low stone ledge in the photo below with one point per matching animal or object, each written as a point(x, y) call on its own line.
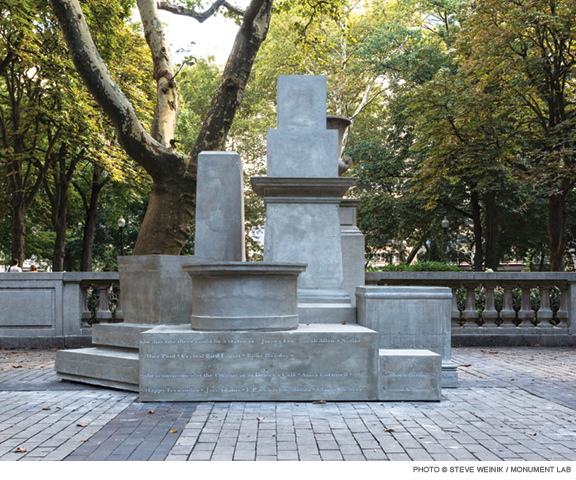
point(410, 375)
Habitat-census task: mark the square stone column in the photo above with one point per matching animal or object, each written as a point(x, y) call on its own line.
point(219, 233)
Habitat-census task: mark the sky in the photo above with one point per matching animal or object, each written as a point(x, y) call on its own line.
point(213, 37)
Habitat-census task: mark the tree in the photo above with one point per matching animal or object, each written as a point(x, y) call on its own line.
point(529, 47)
point(166, 226)
point(48, 121)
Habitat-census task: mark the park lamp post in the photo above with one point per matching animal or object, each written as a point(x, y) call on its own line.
point(121, 225)
point(445, 224)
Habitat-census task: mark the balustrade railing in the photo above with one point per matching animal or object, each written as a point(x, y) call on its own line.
point(501, 308)
point(56, 309)
point(101, 301)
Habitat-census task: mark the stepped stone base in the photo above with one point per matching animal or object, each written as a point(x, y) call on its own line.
point(313, 362)
point(104, 366)
point(409, 375)
point(123, 335)
point(326, 313)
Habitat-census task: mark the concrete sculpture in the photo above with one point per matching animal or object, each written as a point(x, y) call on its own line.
point(220, 328)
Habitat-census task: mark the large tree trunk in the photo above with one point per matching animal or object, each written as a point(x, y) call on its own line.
point(166, 225)
point(58, 197)
point(59, 222)
point(491, 233)
point(230, 90)
point(18, 228)
point(477, 222)
point(557, 230)
point(91, 208)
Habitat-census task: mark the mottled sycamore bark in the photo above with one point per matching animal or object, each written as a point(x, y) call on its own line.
point(166, 225)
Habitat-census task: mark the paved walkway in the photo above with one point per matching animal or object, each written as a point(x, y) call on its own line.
point(512, 404)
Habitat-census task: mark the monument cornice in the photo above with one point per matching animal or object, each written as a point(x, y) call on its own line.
point(301, 187)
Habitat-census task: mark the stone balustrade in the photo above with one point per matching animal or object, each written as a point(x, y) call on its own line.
point(53, 309)
point(57, 309)
point(491, 309)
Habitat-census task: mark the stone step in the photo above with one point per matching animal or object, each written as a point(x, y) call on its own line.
point(103, 366)
point(123, 335)
point(410, 375)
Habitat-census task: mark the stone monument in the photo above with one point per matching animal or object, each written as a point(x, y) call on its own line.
point(155, 289)
point(280, 330)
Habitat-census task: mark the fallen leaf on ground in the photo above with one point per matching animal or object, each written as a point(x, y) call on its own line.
point(150, 411)
point(173, 431)
point(82, 424)
point(319, 402)
point(46, 408)
point(20, 450)
point(467, 365)
point(375, 450)
point(16, 366)
point(388, 429)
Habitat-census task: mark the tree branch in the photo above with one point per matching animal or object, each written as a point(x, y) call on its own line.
point(200, 16)
point(166, 111)
point(233, 81)
point(159, 161)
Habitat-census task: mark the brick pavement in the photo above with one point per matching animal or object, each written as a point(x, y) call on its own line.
point(513, 403)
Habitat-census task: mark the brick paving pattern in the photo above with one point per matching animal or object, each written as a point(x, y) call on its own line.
point(512, 403)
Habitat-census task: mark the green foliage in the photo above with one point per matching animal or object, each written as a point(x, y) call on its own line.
point(417, 267)
point(53, 132)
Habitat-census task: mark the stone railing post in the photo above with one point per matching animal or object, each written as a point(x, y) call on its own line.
point(103, 312)
point(507, 314)
point(470, 313)
point(526, 314)
point(545, 313)
point(490, 314)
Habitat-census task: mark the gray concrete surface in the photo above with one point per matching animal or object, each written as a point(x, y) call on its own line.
point(219, 233)
point(513, 404)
